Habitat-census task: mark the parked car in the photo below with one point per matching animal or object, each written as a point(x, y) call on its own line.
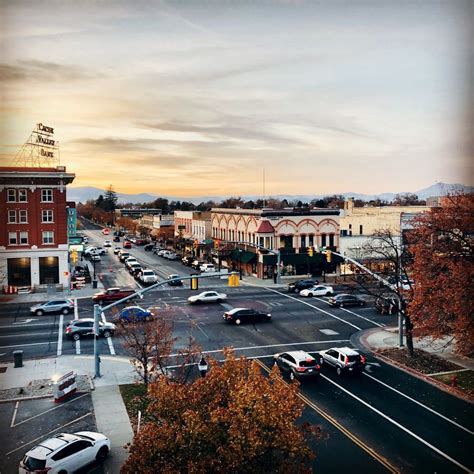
point(117, 250)
point(141, 242)
point(65, 452)
point(131, 261)
point(105, 231)
point(344, 299)
point(246, 315)
point(95, 258)
point(172, 281)
point(196, 264)
point(319, 290)
point(107, 243)
point(135, 269)
point(53, 306)
point(207, 297)
point(123, 256)
point(148, 276)
point(207, 268)
point(127, 245)
point(161, 252)
point(112, 294)
point(343, 359)
point(78, 328)
point(149, 247)
point(299, 285)
point(134, 313)
point(297, 364)
point(171, 256)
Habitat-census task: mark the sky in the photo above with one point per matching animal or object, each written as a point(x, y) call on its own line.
point(198, 97)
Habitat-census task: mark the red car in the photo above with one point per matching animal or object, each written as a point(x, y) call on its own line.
point(127, 244)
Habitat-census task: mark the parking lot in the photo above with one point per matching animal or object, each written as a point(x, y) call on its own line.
point(28, 422)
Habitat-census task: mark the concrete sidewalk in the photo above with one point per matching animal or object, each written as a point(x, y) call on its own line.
point(109, 409)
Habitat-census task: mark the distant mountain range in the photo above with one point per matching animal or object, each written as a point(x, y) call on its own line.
point(82, 194)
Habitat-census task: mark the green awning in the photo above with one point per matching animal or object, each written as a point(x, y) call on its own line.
point(207, 242)
point(244, 256)
point(294, 259)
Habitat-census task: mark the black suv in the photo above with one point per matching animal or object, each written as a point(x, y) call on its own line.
point(346, 300)
point(299, 285)
point(343, 359)
point(245, 315)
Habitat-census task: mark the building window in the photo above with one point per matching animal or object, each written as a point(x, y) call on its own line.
point(11, 217)
point(23, 217)
point(350, 226)
point(48, 237)
point(12, 238)
point(23, 238)
point(47, 216)
point(361, 229)
point(323, 240)
point(22, 195)
point(343, 232)
point(46, 195)
point(11, 195)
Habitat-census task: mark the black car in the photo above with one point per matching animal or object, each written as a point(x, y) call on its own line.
point(297, 364)
point(299, 285)
point(78, 328)
point(173, 282)
point(187, 260)
point(116, 238)
point(346, 300)
point(149, 247)
point(245, 315)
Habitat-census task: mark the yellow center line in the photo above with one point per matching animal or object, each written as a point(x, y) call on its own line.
point(341, 428)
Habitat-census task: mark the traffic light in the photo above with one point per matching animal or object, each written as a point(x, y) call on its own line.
point(328, 256)
point(196, 244)
point(310, 251)
point(216, 244)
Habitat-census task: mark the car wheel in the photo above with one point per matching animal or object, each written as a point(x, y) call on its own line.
point(62, 472)
point(292, 375)
point(338, 370)
point(219, 301)
point(147, 318)
point(76, 336)
point(321, 361)
point(310, 295)
point(39, 312)
point(328, 293)
point(362, 303)
point(341, 305)
point(238, 321)
point(107, 334)
point(65, 311)
point(102, 454)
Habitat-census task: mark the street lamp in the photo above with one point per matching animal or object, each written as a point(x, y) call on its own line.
point(240, 264)
point(203, 366)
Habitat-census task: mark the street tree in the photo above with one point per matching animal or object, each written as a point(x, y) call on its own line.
point(232, 420)
point(442, 247)
point(110, 200)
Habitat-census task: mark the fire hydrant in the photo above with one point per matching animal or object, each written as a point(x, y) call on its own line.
point(454, 381)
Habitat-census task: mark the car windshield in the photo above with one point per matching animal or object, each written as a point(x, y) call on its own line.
point(33, 464)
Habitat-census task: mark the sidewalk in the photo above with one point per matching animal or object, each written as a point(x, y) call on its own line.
point(109, 409)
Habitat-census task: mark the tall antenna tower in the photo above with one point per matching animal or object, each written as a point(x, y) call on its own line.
point(263, 205)
point(41, 150)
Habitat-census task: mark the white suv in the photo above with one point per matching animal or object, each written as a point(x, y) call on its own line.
point(65, 453)
point(148, 276)
point(207, 268)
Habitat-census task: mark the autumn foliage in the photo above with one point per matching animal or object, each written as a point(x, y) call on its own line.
point(443, 271)
point(233, 420)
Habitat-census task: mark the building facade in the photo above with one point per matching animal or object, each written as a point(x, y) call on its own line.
point(34, 226)
point(290, 231)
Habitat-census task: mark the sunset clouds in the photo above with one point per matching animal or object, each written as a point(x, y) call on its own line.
point(192, 98)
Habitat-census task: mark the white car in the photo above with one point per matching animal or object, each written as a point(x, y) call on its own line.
point(162, 252)
point(131, 261)
point(148, 276)
point(65, 452)
point(318, 290)
point(107, 243)
point(89, 249)
point(208, 297)
point(95, 258)
point(207, 268)
point(117, 250)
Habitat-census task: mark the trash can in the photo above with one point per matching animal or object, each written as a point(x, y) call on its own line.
point(18, 358)
point(94, 283)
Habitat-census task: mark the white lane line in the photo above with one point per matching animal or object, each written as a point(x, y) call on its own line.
point(316, 308)
point(76, 316)
point(419, 403)
point(331, 341)
point(22, 446)
point(398, 425)
point(31, 344)
point(32, 324)
point(60, 335)
point(12, 424)
point(357, 315)
point(29, 334)
point(109, 339)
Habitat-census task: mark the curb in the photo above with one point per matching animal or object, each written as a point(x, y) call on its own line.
point(20, 399)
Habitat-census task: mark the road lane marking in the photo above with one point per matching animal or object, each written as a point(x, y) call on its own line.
point(30, 344)
point(316, 308)
point(357, 315)
point(12, 424)
point(76, 316)
point(60, 335)
point(33, 324)
point(43, 436)
point(398, 425)
point(420, 404)
point(370, 451)
point(28, 334)
point(109, 339)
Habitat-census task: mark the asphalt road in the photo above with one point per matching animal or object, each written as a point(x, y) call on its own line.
point(384, 420)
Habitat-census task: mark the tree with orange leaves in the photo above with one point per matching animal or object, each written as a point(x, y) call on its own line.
point(441, 244)
point(233, 420)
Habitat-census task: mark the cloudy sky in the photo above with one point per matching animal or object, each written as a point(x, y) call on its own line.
point(192, 98)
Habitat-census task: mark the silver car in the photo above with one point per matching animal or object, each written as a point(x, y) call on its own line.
point(53, 306)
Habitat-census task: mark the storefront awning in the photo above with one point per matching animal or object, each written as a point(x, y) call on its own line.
point(243, 256)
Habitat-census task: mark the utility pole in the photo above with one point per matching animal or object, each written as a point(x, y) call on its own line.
point(96, 341)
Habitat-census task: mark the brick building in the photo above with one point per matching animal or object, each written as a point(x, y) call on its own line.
point(33, 226)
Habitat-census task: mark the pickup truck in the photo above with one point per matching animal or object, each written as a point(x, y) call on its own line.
point(112, 294)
